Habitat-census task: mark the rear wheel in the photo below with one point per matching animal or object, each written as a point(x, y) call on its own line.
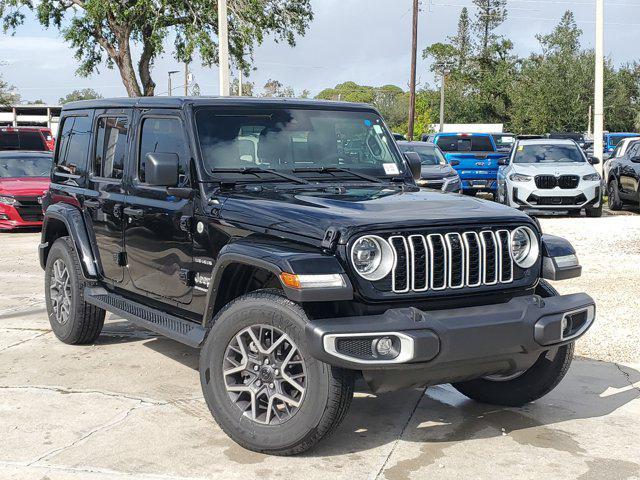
point(72, 320)
point(519, 388)
point(261, 383)
point(614, 202)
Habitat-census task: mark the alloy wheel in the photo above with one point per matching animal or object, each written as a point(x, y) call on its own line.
point(265, 374)
point(60, 292)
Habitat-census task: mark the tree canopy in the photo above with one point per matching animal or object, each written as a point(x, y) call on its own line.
point(83, 94)
point(104, 32)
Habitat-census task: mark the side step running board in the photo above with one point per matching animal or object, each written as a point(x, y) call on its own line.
point(183, 331)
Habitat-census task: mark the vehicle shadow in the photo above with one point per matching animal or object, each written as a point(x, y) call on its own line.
point(440, 416)
point(443, 416)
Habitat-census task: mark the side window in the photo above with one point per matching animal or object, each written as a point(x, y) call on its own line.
point(111, 147)
point(163, 135)
point(633, 151)
point(63, 143)
point(74, 145)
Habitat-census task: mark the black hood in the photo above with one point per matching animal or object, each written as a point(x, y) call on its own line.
point(311, 213)
point(436, 172)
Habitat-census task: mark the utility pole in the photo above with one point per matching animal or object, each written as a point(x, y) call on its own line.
point(598, 127)
point(412, 77)
point(169, 85)
point(223, 48)
point(186, 79)
point(240, 82)
point(444, 75)
point(589, 119)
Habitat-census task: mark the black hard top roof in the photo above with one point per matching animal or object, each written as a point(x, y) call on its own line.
point(246, 102)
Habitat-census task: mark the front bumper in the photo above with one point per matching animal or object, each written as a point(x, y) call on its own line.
point(526, 196)
point(10, 219)
point(451, 345)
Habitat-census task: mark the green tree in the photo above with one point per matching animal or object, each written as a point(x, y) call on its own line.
point(106, 32)
point(275, 88)
point(81, 94)
point(7, 95)
point(247, 87)
point(489, 16)
point(462, 39)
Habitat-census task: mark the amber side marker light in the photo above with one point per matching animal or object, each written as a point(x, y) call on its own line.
point(299, 282)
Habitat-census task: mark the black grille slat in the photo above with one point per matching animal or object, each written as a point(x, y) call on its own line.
point(418, 247)
point(490, 251)
point(438, 260)
point(456, 260)
point(506, 267)
point(568, 181)
point(400, 279)
point(548, 182)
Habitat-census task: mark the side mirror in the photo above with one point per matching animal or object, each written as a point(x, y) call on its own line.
point(503, 161)
point(161, 169)
point(415, 164)
point(454, 163)
point(594, 160)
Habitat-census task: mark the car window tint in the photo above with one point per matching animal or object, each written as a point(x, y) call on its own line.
point(74, 145)
point(111, 147)
point(163, 135)
point(473, 143)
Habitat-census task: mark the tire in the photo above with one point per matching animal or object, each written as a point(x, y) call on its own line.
point(328, 391)
point(524, 387)
point(72, 320)
point(614, 201)
point(594, 212)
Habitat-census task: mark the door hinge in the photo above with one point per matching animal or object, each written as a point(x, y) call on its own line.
point(187, 277)
point(120, 258)
point(186, 223)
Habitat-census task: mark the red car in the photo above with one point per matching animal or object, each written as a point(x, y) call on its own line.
point(49, 139)
point(26, 138)
point(24, 178)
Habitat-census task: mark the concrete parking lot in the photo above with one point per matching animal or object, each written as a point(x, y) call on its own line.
point(130, 406)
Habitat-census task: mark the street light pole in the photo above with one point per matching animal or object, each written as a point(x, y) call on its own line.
point(223, 48)
point(598, 124)
point(169, 86)
point(412, 76)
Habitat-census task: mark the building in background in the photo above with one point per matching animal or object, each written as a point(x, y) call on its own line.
point(31, 116)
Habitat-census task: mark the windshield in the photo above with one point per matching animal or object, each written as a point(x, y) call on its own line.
point(20, 166)
point(616, 139)
point(429, 154)
point(548, 154)
point(293, 139)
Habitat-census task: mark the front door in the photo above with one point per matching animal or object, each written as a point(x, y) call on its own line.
point(105, 199)
point(157, 235)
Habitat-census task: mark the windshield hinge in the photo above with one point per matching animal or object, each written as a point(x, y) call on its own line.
point(330, 238)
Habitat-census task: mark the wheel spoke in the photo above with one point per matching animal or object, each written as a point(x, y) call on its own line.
point(265, 374)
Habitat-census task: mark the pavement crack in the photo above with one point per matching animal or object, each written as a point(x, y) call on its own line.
point(111, 423)
point(69, 391)
point(23, 341)
point(628, 377)
point(397, 440)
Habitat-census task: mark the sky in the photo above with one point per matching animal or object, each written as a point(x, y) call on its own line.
point(366, 41)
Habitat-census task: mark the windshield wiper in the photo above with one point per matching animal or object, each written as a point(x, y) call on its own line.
point(364, 176)
point(257, 170)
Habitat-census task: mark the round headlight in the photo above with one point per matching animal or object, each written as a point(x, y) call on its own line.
point(524, 247)
point(372, 257)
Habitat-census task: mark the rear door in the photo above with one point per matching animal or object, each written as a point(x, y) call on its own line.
point(106, 196)
point(157, 234)
point(628, 173)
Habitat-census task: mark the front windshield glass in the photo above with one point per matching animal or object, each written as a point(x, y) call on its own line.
point(616, 139)
point(429, 155)
point(25, 166)
point(548, 154)
point(296, 139)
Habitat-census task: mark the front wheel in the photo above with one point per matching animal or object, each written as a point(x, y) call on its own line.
point(261, 383)
point(614, 201)
point(520, 388)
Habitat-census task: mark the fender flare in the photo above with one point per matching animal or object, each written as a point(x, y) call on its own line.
point(277, 259)
point(74, 222)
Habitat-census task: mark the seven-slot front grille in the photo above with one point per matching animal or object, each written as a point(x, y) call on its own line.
point(453, 260)
point(547, 182)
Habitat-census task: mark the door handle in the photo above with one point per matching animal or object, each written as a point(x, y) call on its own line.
point(133, 212)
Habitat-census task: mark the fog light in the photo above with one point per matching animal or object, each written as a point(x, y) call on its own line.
point(386, 347)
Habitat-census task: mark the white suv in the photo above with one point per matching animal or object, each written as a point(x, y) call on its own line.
point(551, 176)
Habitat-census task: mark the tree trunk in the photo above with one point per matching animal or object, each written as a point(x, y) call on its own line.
point(144, 68)
point(125, 64)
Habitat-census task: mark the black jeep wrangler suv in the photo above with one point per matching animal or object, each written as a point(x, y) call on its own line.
point(289, 241)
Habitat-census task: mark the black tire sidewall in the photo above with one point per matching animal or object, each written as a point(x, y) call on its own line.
point(253, 310)
point(61, 251)
point(614, 201)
